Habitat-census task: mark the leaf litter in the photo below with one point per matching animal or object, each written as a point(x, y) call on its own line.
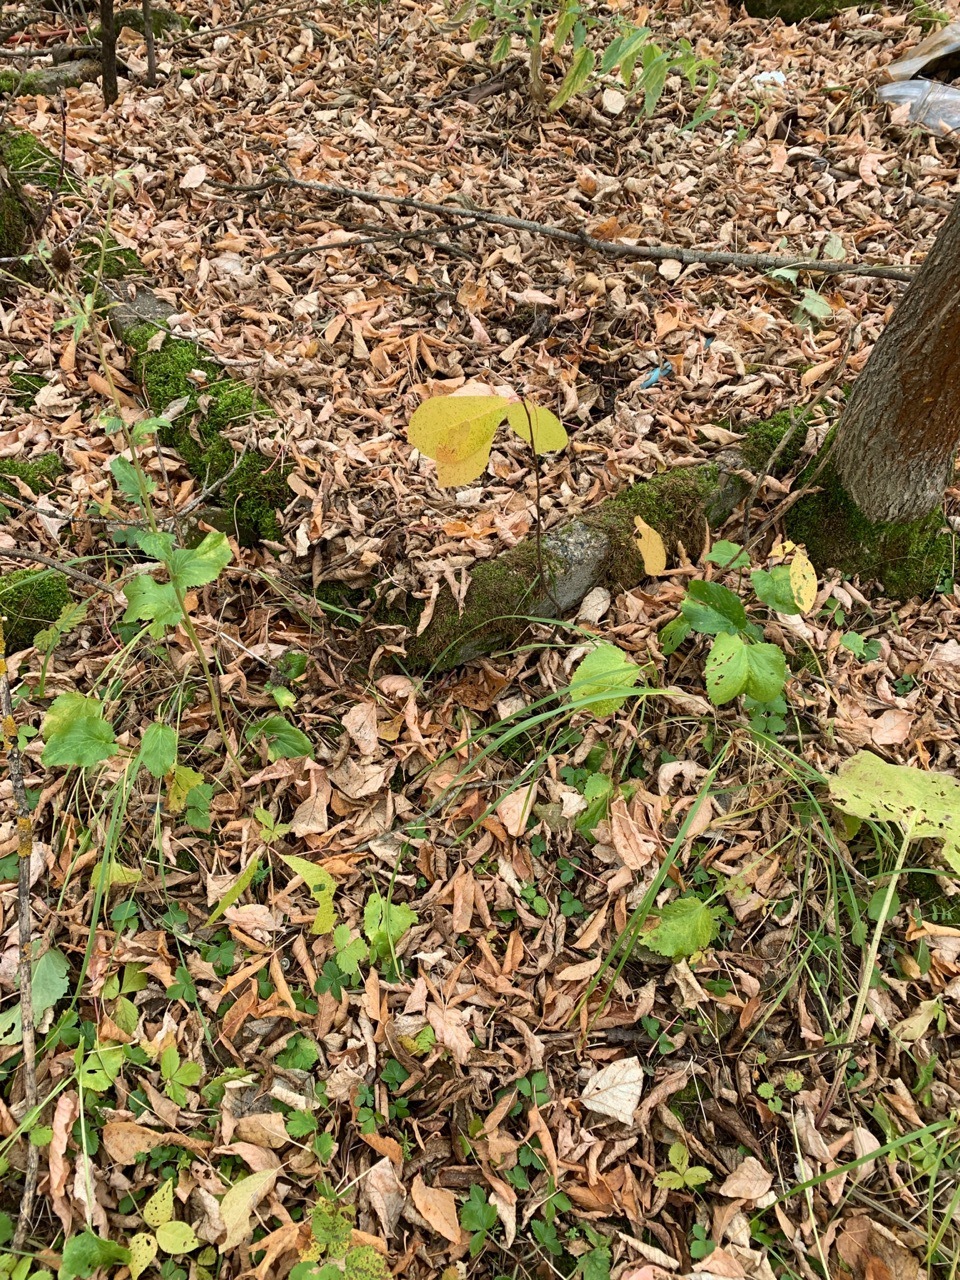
point(350, 1007)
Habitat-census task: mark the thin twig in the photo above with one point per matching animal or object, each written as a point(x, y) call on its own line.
point(25, 932)
point(581, 238)
point(37, 557)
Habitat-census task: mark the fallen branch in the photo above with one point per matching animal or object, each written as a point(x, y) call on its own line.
point(581, 238)
point(24, 937)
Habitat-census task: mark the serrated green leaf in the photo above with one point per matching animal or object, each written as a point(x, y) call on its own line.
point(696, 1176)
point(775, 589)
point(728, 555)
point(673, 635)
point(539, 427)
point(385, 923)
point(284, 740)
point(685, 927)
point(158, 749)
point(177, 1237)
point(159, 1208)
point(727, 668)
point(83, 1254)
point(152, 602)
point(457, 433)
point(670, 1181)
point(767, 671)
point(158, 546)
point(183, 782)
point(127, 480)
point(605, 670)
point(581, 69)
point(679, 1156)
point(711, 608)
point(236, 890)
point(924, 805)
point(76, 733)
point(195, 567)
point(143, 1250)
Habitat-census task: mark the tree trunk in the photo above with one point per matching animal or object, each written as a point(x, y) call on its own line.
point(108, 56)
point(899, 433)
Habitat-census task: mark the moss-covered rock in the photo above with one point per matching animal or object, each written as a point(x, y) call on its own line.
point(792, 11)
point(762, 439)
point(907, 559)
point(253, 487)
point(29, 601)
point(39, 474)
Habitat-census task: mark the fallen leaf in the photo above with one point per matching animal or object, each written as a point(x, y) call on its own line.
point(652, 550)
point(238, 1205)
point(615, 1090)
point(438, 1207)
point(386, 1194)
point(515, 809)
point(749, 1181)
point(195, 177)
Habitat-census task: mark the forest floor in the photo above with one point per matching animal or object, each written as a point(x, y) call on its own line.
point(351, 1003)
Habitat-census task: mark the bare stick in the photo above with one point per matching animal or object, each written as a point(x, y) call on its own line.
point(25, 852)
point(605, 248)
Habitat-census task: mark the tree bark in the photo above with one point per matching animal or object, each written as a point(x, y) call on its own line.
point(897, 438)
point(108, 55)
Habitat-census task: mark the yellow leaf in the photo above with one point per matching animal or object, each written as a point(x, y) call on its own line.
point(651, 548)
point(159, 1208)
point(143, 1250)
point(528, 419)
point(803, 581)
point(177, 1237)
point(457, 433)
point(237, 1206)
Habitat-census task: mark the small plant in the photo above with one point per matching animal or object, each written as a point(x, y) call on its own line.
point(700, 1244)
point(477, 1216)
point(168, 1235)
point(178, 1076)
point(792, 1081)
point(682, 1176)
point(330, 1255)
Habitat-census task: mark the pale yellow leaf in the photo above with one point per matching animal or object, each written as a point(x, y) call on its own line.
point(537, 426)
point(238, 1205)
point(803, 581)
point(651, 546)
point(177, 1237)
point(457, 433)
point(143, 1250)
point(159, 1208)
point(615, 1090)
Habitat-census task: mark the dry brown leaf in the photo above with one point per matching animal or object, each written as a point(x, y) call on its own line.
point(438, 1207)
point(386, 1194)
point(748, 1181)
point(615, 1090)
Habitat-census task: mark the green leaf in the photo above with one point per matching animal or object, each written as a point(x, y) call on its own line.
point(815, 305)
point(153, 602)
point(350, 952)
point(321, 885)
point(284, 740)
point(670, 1181)
point(158, 546)
point(581, 69)
point(177, 1237)
point(83, 1254)
point(924, 805)
point(385, 923)
point(76, 733)
point(457, 433)
point(500, 51)
point(169, 1062)
point(673, 635)
point(197, 566)
point(540, 428)
point(605, 670)
point(711, 608)
point(679, 1156)
point(728, 555)
point(159, 1208)
point(128, 482)
point(775, 589)
point(476, 1212)
point(685, 927)
point(767, 671)
point(180, 786)
point(198, 806)
point(49, 984)
point(239, 887)
point(100, 1067)
point(158, 749)
point(696, 1175)
point(70, 617)
point(727, 668)
point(143, 1250)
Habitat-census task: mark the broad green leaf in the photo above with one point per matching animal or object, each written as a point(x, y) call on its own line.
point(177, 1237)
point(184, 780)
point(605, 670)
point(159, 1208)
point(696, 1176)
point(652, 550)
point(803, 582)
point(198, 806)
point(581, 69)
point(669, 1180)
point(127, 480)
point(237, 1206)
point(565, 24)
point(924, 805)
point(685, 927)
point(539, 427)
point(239, 887)
point(767, 671)
point(653, 77)
point(100, 1067)
point(726, 669)
point(712, 609)
point(50, 983)
point(76, 733)
point(85, 1253)
point(815, 305)
point(501, 48)
point(197, 566)
point(153, 602)
point(728, 555)
point(774, 589)
point(385, 923)
point(673, 635)
point(158, 749)
point(321, 885)
point(169, 1062)
point(457, 433)
point(284, 740)
point(143, 1250)
point(679, 1156)
point(158, 546)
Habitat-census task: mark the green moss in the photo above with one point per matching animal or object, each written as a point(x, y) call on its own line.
point(907, 559)
point(26, 386)
point(30, 601)
point(40, 474)
point(255, 486)
point(762, 438)
point(677, 504)
point(791, 11)
point(118, 263)
point(28, 160)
